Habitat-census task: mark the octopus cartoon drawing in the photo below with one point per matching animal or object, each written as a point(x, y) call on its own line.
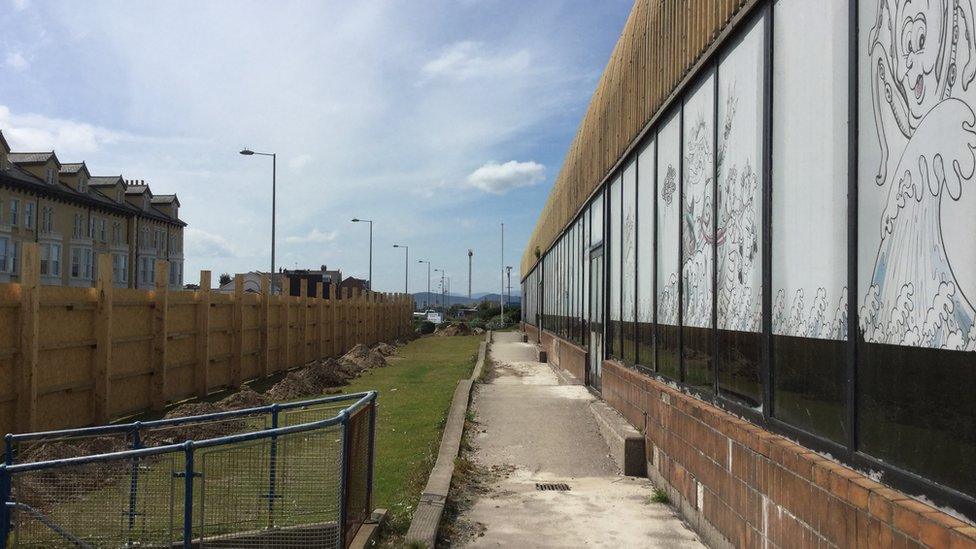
point(922, 62)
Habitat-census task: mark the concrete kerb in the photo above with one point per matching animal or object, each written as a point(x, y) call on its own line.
point(427, 516)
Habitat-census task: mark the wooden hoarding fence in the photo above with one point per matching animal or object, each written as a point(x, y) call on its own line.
point(76, 356)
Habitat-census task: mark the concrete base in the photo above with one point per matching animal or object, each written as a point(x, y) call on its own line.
point(368, 532)
point(625, 442)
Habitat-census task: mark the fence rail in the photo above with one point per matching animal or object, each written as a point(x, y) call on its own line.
point(82, 356)
point(304, 484)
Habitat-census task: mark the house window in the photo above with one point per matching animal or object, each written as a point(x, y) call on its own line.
point(51, 176)
point(79, 223)
point(101, 230)
point(47, 219)
point(82, 184)
point(29, 215)
point(14, 212)
point(116, 233)
point(120, 268)
point(81, 263)
point(50, 259)
point(145, 237)
point(4, 254)
point(147, 270)
point(91, 226)
point(155, 239)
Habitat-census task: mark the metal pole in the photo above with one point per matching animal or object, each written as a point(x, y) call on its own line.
point(370, 256)
point(470, 253)
point(188, 496)
point(406, 273)
point(501, 296)
point(274, 184)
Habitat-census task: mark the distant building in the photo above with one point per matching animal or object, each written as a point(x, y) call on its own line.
point(74, 216)
point(354, 285)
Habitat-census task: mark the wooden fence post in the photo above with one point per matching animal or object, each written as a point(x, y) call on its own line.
point(346, 320)
point(160, 306)
point(103, 341)
point(320, 323)
point(237, 325)
point(201, 371)
point(284, 350)
point(264, 324)
point(303, 300)
point(333, 321)
point(30, 287)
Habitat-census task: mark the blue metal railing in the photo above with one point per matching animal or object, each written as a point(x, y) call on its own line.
point(361, 410)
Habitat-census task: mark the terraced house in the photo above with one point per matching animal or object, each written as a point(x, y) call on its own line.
point(760, 251)
point(74, 216)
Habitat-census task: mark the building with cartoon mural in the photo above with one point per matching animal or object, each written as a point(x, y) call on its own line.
point(761, 250)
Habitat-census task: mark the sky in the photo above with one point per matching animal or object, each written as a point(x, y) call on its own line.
point(438, 120)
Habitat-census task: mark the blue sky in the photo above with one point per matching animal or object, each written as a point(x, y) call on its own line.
point(439, 120)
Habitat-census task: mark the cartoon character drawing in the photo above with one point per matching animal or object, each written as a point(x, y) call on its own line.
point(696, 217)
point(922, 61)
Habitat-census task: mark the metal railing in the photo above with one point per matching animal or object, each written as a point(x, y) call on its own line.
point(295, 474)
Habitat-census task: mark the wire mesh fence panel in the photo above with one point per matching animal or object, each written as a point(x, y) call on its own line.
point(358, 469)
point(67, 446)
point(310, 413)
point(276, 492)
point(160, 435)
point(112, 503)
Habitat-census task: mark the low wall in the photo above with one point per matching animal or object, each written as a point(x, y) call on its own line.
point(531, 331)
point(566, 355)
point(741, 485)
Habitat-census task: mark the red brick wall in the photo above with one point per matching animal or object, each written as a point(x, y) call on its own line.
point(572, 358)
point(752, 486)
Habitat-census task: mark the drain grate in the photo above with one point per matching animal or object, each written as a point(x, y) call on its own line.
point(559, 487)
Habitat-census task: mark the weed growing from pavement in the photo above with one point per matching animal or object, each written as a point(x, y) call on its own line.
point(659, 496)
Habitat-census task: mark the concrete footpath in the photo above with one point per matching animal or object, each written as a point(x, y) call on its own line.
point(538, 431)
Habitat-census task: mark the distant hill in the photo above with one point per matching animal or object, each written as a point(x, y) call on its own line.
point(423, 297)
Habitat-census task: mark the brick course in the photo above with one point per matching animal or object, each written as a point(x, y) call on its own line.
point(759, 489)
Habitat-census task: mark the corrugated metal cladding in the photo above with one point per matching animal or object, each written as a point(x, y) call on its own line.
point(660, 44)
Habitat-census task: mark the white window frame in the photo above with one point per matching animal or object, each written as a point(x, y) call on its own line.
point(50, 253)
point(82, 258)
point(14, 212)
point(120, 268)
point(29, 215)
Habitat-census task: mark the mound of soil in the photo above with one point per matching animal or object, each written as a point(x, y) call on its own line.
point(207, 428)
point(324, 374)
point(293, 387)
point(245, 398)
point(357, 353)
point(459, 329)
point(385, 349)
point(62, 449)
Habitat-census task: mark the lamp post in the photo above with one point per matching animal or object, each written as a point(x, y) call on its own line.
point(501, 298)
point(442, 284)
point(470, 253)
point(428, 280)
point(370, 221)
point(406, 268)
point(508, 272)
point(274, 176)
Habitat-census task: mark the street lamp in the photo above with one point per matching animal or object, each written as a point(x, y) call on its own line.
point(406, 268)
point(428, 280)
point(274, 174)
point(357, 220)
point(443, 287)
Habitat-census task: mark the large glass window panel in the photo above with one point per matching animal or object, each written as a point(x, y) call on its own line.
point(916, 221)
point(613, 327)
point(740, 223)
point(698, 233)
point(645, 256)
point(668, 246)
point(628, 229)
point(809, 231)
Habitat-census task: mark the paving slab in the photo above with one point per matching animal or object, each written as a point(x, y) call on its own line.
point(539, 431)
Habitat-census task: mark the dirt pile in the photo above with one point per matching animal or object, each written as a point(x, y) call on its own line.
point(385, 349)
point(361, 358)
point(203, 430)
point(459, 329)
point(62, 449)
point(244, 398)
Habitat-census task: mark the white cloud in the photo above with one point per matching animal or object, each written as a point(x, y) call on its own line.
point(33, 132)
point(467, 59)
point(314, 236)
point(500, 178)
point(200, 243)
point(299, 162)
point(20, 5)
point(16, 61)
